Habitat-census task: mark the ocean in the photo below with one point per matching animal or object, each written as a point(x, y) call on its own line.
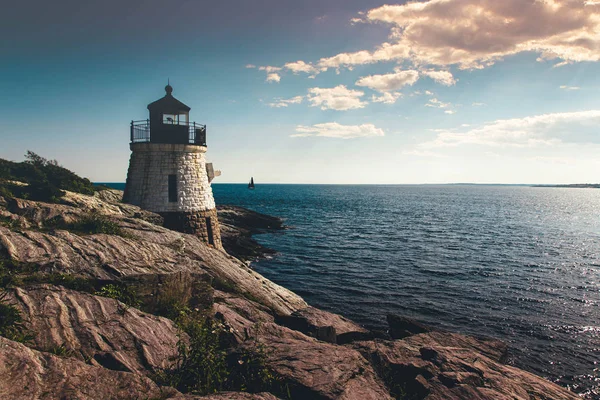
point(516, 263)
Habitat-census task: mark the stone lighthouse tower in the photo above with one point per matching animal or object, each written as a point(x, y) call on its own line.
point(168, 172)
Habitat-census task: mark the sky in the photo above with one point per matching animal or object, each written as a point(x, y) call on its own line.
point(313, 91)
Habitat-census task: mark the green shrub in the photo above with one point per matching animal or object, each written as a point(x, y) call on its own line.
point(250, 372)
point(120, 292)
point(200, 366)
point(46, 177)
point(10, 271)
point(38, 190)
point(11, 322)
point(92, 224)
point(68, 281)
point(61, 351)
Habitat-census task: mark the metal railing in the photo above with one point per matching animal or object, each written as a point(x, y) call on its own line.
point(140, 132)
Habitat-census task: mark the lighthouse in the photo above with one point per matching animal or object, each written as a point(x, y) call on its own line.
point(168, 173)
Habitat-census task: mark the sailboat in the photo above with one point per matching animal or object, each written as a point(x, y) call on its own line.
point(251, 184)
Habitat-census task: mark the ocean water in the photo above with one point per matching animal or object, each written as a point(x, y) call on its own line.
point(519, 264)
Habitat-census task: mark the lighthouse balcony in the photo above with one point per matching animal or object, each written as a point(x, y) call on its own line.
point(180, 132)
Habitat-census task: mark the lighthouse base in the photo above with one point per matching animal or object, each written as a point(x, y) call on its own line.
point(203, 224)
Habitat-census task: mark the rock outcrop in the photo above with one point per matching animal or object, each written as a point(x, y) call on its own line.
point(30, 374)
point(98, 330)
point(147, 249)
point(445, 366)
point(85, 346)
point(237, 227)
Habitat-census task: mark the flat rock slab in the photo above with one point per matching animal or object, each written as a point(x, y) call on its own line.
point(435, 368)
point(30, 374)
point(325, 326)
point(96, 329)
point(318, 370)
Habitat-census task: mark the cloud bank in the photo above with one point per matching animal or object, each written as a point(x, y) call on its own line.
point(338, 98)
point(474, 34)
point(541, 130)
point(338, 131)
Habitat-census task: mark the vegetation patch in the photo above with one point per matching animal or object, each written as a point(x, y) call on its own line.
point(249, 371)
point(46, 179)
point(201, 364)
point(120, 292)
point(11, 271)
point(61, 351)
point(224, 285)
point(92, 224)
point(205, 365)
point(11, 322)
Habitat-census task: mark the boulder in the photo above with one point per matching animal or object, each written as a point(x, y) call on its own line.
point(31, 374)
point(401, 327)
point(430, 366)
point(314, 369)
point(240, 314)
point(237, 227)
point(324, 325)
point(98, 330)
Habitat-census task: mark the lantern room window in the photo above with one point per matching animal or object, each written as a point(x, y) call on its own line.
point(170, 119)
point(175, 119)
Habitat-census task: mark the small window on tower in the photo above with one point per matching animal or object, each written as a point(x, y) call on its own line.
point(172, 188)
point(170, 119)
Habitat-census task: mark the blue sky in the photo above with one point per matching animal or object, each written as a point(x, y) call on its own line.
point(328, 91)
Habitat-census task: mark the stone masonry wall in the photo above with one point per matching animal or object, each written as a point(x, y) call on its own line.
point(196, 223)
point(148, 177)
point(148, 187)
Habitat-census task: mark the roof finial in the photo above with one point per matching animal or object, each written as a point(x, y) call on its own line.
point(168, 88)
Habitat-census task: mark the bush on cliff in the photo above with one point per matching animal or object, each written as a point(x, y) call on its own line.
point(46, 179)
point(11, 322)
point(201, 366)
point(120, 292)
point(91, 224)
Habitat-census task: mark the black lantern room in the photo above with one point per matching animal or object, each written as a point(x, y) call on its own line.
point(169, 123)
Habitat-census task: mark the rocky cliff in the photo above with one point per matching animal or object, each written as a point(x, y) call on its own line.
point(101, 302)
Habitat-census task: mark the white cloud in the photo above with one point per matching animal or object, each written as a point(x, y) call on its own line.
point(273, 78)
point(269, 69)
point(301, 66)
point(278, 103)
point(385, 52)
point(564, 87)
point(553, 160)
point(337, 98)
point(272, 73)
point(540, 130)
point(250, 66)
point(386, 98)
point(434, 102)
point(478, 104)
point(450, 112)
point(477, 33)
point(422, 153)
point(389, 82)
point(442, 77)
point(338, 131)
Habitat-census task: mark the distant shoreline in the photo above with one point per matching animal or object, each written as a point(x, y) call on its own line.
point(121, 185)
point(574, 185)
